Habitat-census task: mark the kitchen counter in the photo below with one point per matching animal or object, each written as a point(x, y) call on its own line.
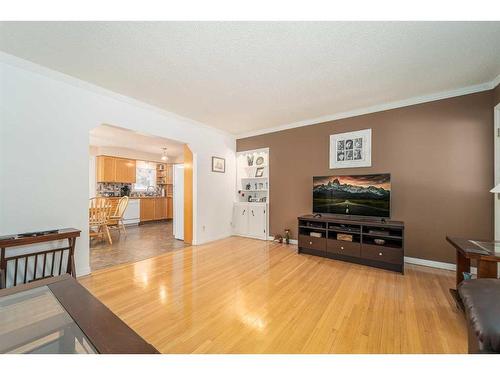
point(136, 197)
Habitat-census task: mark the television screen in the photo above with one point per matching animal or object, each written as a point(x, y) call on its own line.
point(361, 195)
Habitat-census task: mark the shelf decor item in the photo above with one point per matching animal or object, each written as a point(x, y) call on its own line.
point(351, 150)
point(287, 236)
point(250, 160)
point(218, 164)
point(259, 161)
point(259, 172)
point(344, 237)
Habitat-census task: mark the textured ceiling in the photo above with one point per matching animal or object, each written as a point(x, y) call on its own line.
point(111, 136)
point(245, 76)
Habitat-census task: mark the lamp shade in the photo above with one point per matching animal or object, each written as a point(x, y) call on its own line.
point(496, 189)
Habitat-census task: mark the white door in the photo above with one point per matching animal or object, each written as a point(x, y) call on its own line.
point(240, 218)
point(178, 220)
point(257, 221)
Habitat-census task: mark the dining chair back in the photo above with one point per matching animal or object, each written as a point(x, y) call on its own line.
point(116, 220)
point(99, 213)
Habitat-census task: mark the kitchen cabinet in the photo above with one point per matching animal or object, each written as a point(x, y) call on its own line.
point(170, 174)
point(160, 208)
point(153, 208)
point(105, 168)
point(250, 220)
point(111, 169)
point(125, 170)
point(170, 208)
point(147, 209)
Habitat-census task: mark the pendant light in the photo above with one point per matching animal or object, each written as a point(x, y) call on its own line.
point(164, 157)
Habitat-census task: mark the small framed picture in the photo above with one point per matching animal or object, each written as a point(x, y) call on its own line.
point(259, 172)
point(218, 164)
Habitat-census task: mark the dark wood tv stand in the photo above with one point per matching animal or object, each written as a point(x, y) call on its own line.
point(362, 249)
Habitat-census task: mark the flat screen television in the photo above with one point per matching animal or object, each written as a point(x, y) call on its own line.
point(366, 195)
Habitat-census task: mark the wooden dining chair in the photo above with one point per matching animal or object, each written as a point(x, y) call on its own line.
point(99, 212)
point(116, 219)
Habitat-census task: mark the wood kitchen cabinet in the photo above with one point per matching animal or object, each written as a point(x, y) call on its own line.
point(147, 209)
point(160, 208)
point(153, 209)
point(170, 174)
point(105, 168)
point(170, 208)
point(111, 169)
point(125, 170)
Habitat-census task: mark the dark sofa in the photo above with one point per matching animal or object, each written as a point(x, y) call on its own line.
point(481, 299)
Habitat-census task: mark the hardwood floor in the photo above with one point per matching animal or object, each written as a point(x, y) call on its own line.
point(141, 242)
point(240, 295)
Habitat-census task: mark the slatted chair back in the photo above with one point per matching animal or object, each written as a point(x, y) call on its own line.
point(99, 211)
point(120, 208)
point(25, 268)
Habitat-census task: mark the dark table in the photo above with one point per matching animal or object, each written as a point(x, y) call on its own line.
point(58, 315)
point(485, 253)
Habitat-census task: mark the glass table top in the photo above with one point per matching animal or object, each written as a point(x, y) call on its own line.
point(488, 248)
point(33, 321)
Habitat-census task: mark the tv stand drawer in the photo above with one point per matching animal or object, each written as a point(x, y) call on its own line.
point(382, 254)
point(352, 249)
point(314, 243)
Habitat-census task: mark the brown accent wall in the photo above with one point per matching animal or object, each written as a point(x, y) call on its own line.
point(440, 155)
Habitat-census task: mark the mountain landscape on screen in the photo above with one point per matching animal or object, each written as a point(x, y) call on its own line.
point(363, 195)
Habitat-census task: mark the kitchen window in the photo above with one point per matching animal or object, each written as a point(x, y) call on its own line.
point(145, 175)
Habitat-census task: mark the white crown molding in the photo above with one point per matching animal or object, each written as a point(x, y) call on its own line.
point(20, 63)
point(496, 82)
point(376, 108)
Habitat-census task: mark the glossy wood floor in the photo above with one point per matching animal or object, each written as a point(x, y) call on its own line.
point(241, 295)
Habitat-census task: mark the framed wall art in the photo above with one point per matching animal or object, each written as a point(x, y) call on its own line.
point(218, 164)
point(351, 150)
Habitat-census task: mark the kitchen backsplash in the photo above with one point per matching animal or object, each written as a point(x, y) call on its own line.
point(113, 189)
point(110, 188)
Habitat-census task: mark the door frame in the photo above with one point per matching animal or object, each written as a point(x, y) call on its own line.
point(496, 174)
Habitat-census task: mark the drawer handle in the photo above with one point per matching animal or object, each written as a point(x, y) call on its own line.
point(310, 243)
point(380, 254)
point(341, 247)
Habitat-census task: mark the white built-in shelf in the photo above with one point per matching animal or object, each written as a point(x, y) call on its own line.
point(245, 174)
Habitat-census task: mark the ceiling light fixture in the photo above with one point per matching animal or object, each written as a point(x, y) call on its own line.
point(164, 157)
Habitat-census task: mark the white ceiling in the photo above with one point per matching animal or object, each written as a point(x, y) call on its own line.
point(112, 136)
point(246, 76)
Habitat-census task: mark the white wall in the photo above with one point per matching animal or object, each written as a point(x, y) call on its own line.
point(45, 119)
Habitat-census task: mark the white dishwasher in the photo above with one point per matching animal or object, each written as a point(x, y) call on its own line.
point(132, 212)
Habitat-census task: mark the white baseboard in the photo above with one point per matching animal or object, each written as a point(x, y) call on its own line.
point(417, 261)
point(83, 271)
point(293, 242)
point(435, 264)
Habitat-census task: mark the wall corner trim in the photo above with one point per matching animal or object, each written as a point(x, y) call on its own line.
point(20, 63)
point(495, 82)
